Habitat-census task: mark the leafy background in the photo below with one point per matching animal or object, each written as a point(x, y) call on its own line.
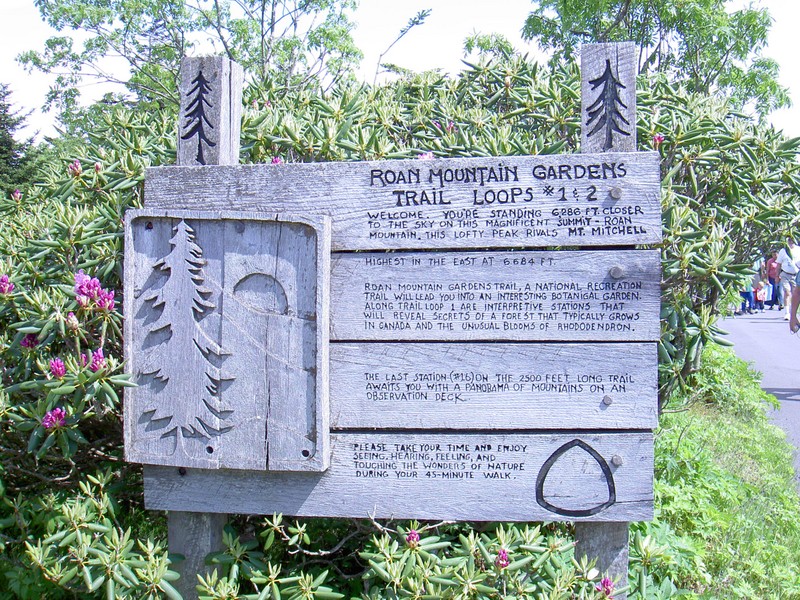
point(72, 508)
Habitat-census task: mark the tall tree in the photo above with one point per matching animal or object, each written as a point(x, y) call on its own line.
point(16, 158)
point(699, 42)
point(289, 42)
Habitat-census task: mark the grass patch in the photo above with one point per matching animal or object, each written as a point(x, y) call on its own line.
point(726, 501)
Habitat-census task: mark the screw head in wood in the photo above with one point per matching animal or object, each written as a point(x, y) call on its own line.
point(617, 460)
point(608, 400)
point(616, 272)
point(616, 193)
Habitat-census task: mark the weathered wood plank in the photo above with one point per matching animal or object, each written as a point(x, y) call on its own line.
point(515, 296)
point(608, 97)
point(493, 386)
point(227, 328)
point(464, 476)
point(518, 201)
point(211, 111)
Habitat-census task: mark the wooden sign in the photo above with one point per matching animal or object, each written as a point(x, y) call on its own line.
point(227, 312)
point(450, 476)
point(473, 373)
point(505, 202)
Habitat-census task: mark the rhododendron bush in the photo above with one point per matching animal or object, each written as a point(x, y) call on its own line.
point(72, 522)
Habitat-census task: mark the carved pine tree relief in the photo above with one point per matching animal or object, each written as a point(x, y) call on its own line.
point(179, 358)
point(225, 337)
point(604, 114)
point(197, 123)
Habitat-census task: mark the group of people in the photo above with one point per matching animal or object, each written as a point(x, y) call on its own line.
point(776, 284)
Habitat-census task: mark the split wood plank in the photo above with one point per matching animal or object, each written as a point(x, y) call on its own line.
point(473, 386)
point(513, 296)
point(461, 476)
point(227, 336)
point(506, 202)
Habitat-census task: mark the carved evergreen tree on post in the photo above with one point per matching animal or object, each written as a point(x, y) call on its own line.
point(182, 357)
point(196, 119)
point(604, 113)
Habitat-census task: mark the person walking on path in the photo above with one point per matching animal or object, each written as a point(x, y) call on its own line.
point(773, 272)
point(788, 259)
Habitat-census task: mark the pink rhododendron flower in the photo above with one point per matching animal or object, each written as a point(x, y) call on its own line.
point(72, 322)
point(425, 156)
point(54, 418)
point(105, 300)
point(277, 160)
point(16, 195)
point(412, 539)
point(84, 359)
point(98, 166)
point(75, 169)
point(502, 561)
point(6, 286)
point(658, 139)
point(88, 289)
point(57, 368)
point(86, 286)
point(98, 360)
point(606, 586)
point(29, 341)
point(451, 127)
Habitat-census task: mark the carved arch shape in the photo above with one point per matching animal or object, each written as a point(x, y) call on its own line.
point(261, 293)
point(545, 470)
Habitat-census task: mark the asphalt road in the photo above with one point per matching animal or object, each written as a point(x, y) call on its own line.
point(764, 340)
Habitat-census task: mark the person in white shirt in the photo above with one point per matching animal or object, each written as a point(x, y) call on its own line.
point(789, 259)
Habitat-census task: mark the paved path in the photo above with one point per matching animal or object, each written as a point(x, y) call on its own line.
point(763, 339)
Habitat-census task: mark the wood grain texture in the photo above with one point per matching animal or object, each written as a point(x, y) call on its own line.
point(227, 329)
point(211, 111)
point(608, 97)
point(531, 201)
point(466, 476)
point(472, 386)
point(607, 543)
point(195, 536)
point(518, 296)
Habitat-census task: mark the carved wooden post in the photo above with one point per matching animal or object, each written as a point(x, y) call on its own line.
point(208, 134)
point(608, 124)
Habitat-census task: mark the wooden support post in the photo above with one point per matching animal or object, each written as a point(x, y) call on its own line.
point(608, 124)
point(208, 134)
point(608, 543)
point(195, 536)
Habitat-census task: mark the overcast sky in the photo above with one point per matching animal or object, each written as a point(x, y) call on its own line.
point(436, 44)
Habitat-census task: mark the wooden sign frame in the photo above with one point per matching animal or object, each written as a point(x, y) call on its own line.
point(517, 360)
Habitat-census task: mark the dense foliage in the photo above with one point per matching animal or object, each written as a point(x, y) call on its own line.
point(138, 45)
point(72, 507)
point(708, 45)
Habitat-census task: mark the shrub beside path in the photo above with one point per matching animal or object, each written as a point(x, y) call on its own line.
point(764, 340)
